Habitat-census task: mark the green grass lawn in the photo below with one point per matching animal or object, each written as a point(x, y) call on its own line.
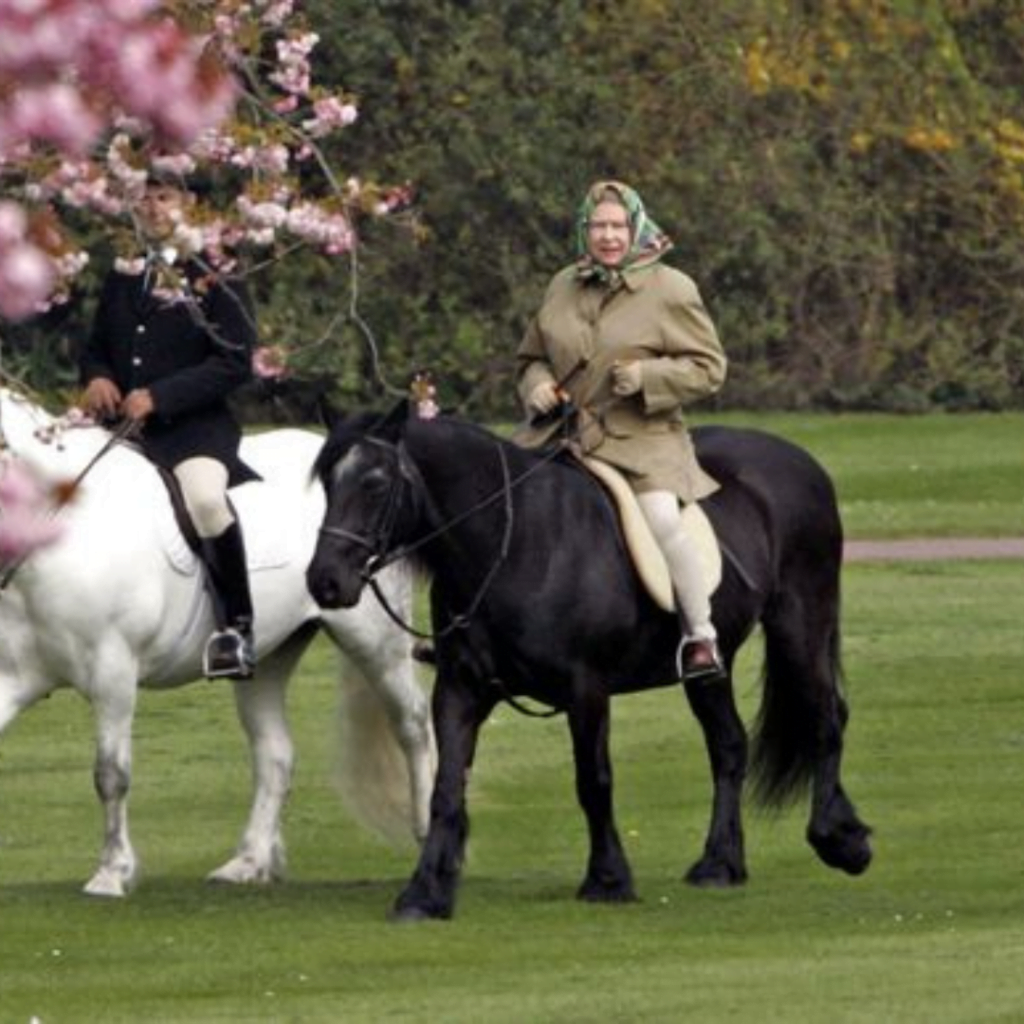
point(934, 932)
point(910, 476)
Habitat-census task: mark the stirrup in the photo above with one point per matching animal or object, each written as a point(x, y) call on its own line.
point(229, 655)
point(699, 658)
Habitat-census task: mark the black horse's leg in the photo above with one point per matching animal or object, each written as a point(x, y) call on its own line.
point(835, 831)
point(608, 876)
point(802, 733)
point(459, 711)
point(723, 862)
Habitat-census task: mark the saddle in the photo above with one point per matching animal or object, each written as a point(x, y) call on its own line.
point(643, 548)
point(182, 546)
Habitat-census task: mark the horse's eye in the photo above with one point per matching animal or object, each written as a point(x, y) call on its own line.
point(374, 483)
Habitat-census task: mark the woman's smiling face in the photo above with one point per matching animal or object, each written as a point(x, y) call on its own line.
point(608, 234)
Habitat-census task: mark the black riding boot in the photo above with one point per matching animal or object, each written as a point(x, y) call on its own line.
point(229, 652)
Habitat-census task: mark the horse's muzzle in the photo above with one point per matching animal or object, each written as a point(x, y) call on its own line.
point(329, 589)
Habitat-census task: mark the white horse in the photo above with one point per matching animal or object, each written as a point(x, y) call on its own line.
point(118, 602)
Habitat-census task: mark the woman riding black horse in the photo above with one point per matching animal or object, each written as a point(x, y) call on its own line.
point(626, 340)
point(533, 594)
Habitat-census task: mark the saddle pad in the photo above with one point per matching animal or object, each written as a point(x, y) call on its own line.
point(643, 548)
point(259, 504)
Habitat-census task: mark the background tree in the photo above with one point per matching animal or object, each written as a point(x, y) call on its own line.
point(842, 178)
point(97, 97)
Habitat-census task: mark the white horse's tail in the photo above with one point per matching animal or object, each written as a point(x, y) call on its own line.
point(386, 758)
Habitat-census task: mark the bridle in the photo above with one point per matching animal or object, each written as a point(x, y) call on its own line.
point(377, 541)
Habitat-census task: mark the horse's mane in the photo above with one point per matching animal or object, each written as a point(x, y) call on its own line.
point(392, 426)
point(58, 446)
point(467, 432)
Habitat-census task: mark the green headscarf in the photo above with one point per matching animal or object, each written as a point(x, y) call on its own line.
point(648, 242)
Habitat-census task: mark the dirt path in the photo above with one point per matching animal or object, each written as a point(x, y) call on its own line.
point(933, 549)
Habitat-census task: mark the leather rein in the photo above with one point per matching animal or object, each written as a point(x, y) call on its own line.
point(378, 542)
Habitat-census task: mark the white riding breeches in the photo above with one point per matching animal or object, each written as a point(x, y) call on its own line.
point(661, 510)
point(204, 486)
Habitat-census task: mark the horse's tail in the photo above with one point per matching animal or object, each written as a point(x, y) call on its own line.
point(803, 712)
point(371, 769)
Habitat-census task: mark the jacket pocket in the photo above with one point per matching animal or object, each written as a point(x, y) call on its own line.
point(628, 420)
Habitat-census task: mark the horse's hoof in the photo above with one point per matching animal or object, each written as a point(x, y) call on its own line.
point(849, 852)
point(714, 876)
point(243, 871)
point(598, 892)
point(107, 884)
point(412, 915)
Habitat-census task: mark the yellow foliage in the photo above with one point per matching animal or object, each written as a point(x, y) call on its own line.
point(860, 142)
point(929, 140)
point(1010, 152)
point(759, 81)
point(841, 50)
point(1010, 132)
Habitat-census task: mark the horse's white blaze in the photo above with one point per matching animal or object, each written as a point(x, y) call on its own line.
point(118, 603)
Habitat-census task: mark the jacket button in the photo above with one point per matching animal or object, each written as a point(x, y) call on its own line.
point(141, 329)
point(136, 361)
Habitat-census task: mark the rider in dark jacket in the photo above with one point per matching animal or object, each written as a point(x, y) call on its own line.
point(167, 359)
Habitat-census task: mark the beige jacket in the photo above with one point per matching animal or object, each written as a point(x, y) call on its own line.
point(656, 315)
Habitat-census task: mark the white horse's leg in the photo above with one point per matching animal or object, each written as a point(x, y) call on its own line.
point(381, 651)
point(260, 702)
point(114, 708)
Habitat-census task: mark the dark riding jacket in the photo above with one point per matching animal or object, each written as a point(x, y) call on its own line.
point(189, 352)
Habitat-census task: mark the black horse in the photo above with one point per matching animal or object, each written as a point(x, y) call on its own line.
point(533, 595)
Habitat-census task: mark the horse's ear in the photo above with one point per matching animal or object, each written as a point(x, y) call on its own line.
point(327, 413)
point(391, 427)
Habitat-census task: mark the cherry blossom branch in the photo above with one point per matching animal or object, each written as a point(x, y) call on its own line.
point(98, 95)
point(277, 129)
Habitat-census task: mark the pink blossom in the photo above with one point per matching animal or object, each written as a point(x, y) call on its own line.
point(263, 215)
point(189, 238)
point(329, 113)
point(396, 198)
point(26, 278)
point(272, 158)
point(54, 113)
point(276, 12)
point(74, 61)
point(26, 513)
point(269, 362)
point(132, 267)
point(181, 164)
point(293, 75)
point(13, 223)
point(330, 231)
point(119, 87)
